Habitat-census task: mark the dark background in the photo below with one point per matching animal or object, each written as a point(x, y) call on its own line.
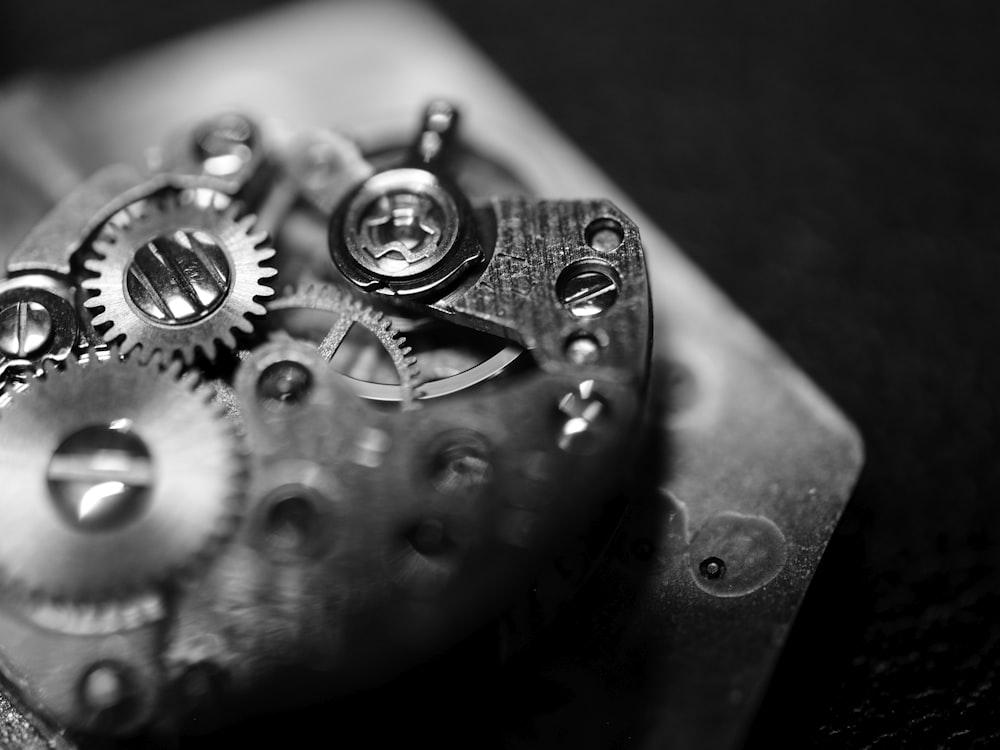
point(834, 166)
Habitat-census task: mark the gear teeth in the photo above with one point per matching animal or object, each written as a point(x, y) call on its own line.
point(327, 298)
point(130, 348)
point(173, 368)
point(50, 366)
point(246, 225)
point(258, 310)
point(155, 216)
point(266, 253)
point(100, 318)
point(95, 619)
point(98, 583)
point(92, 265)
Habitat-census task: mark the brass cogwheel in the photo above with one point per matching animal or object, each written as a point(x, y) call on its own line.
point(341, 312)
point(178, 272)
point(118, 477)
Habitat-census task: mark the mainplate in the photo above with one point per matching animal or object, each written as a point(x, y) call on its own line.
point(748, 467)
point(283, 534)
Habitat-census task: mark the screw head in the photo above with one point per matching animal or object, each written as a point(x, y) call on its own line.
point(25, 329)
point(179, 278)
point(101, 477)
point(587, 289)
point(401, 224)
point(225, 144)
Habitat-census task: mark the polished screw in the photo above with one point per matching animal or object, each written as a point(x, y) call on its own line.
point(402, 223)
point(179, 278)
point(25, 329)
point(587, 291)
point(225, 144)
point(101, 477)
point(400, 230)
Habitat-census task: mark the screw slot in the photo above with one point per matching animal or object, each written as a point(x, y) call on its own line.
point(588, 288)
point(101, 477)
point(179, 278)
point(25, 328)
point(604, 235)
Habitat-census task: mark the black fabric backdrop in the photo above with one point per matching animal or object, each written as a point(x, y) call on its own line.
point(834, 166)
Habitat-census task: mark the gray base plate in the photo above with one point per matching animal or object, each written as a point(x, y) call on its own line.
point(750, 463)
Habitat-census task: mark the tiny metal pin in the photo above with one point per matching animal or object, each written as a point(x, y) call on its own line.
point(437, 134)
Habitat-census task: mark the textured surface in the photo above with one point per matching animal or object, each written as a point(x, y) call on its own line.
point(834, 166)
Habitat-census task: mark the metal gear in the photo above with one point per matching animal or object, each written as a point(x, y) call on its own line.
point(347, 312)
point(178, 272)
point(118, 477)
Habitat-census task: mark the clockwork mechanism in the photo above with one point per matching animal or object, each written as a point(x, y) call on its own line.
point(283, 419)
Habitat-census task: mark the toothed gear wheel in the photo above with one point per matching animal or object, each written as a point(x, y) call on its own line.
point(178, 272)
point(118, 477)
point(345, 311)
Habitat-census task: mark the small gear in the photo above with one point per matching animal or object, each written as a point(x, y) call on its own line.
point(118, 477)
point(346, 312)
point(178, 272)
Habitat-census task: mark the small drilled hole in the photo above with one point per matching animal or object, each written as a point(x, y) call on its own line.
point(712, 568)
point(460, 462)
point(292, 526)
point(428, 538)
point(604, 235)
point(642, 550)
